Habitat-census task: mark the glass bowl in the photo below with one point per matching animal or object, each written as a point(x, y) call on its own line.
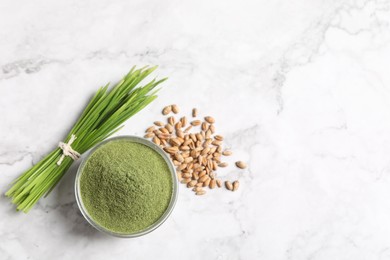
point(162, 218)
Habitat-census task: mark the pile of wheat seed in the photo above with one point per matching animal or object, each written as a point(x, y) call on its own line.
point(196, 154)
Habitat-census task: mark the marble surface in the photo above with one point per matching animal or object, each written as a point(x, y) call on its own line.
point(300, 89)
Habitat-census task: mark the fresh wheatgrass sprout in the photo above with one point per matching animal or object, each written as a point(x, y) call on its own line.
point(103, 116)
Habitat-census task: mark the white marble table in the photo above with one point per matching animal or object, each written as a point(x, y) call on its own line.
point(300, 89)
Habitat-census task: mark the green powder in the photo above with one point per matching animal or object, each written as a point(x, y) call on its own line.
point(125, 186)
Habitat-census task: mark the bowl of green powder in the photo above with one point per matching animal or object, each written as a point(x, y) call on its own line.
point(126, 186)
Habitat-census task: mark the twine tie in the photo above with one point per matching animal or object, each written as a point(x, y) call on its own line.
point(67, 150)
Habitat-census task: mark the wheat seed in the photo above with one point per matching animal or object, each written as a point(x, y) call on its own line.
point(241, 165)
point(175, 109)
point(166, 110)
point(209, 119)
point(236, 184)
point(228, 185)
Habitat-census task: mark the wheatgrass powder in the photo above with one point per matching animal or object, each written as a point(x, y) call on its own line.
point(125, 186)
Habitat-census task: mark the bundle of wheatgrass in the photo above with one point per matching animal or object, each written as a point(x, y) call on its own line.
point(102, 117)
